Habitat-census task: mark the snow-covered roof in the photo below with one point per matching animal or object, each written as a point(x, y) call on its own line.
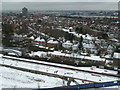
point(52, 42)
point(19, 36)
point(37, 39)
point(75, 45)
point(32, 38)
point(13, 51)
point(92, 57)
point(116, 55)
point(70, 27)
point(89, 37)
point(39, 53)
point(110, 47)
point(88, 45)
point(66, 30)
point(96, 58)
point(67, 43)
point(40, 40)
point(107, 56)
point(114, 40)
point(56, 53)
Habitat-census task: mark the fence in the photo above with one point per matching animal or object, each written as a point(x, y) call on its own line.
point(88, 86)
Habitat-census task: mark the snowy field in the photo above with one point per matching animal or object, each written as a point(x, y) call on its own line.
point(12, 78)
point(81, 68)
point(59, 71)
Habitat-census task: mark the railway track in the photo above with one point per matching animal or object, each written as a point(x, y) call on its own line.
point(45, 73)
point(65, 67)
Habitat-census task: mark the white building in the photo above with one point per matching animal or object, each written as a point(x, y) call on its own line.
point(116, 55)
point(67, 44)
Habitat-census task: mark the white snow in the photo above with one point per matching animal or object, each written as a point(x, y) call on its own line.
point(117, 55)
point(87, 36)
point(1, 55)
point(52, 42)
point(114, 40)
point(67, 44)
point(112, 72)
point(32, 38)
point(19, 79)
point(40, 54)
point(73, 55)
point(92, 57)
point(14, 51)
point(12, 78)
point(37, 39)
point(16, 35)
point(11, 54)
point(42, 40)
point(61, 71)
point(88, 45)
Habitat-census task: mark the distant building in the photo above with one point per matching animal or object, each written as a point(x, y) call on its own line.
point(24, 11)
point(67, 44)
point(42, 42)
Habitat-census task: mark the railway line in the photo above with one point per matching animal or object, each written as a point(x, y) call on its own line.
point(46, 73)
point(58, 66)
point(31, 65)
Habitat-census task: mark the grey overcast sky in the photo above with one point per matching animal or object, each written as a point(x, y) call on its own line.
point(60, 4)
point(59, 0)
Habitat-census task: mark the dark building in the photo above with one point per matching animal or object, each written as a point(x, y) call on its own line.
point(24, 11)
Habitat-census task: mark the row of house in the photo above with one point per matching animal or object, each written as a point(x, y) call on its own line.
point(42, 42)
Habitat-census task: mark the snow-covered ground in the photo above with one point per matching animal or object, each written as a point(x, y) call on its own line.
point(81, 68)
point(79, 35)
point(12, 78)
point(60, 71)
point(73, 55)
